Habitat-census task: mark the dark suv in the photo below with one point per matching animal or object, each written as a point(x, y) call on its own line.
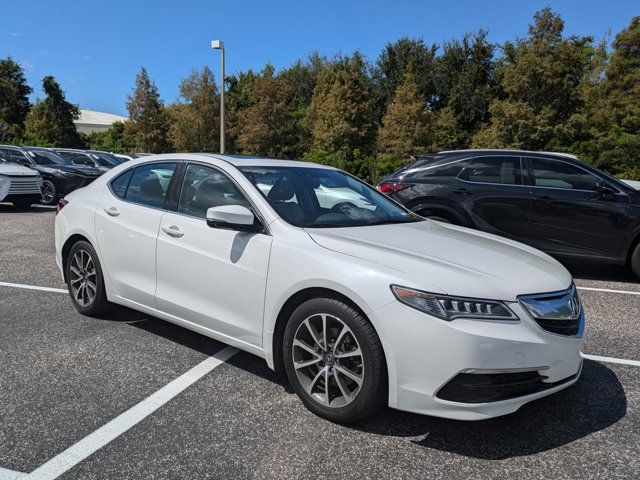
point(551, 201)
point(60, 176)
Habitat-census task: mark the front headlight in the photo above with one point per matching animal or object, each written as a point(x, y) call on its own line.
point(449, 308)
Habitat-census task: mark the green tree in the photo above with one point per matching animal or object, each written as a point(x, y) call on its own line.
point(464, 77)
point(266, 127)
point(111, 140)
point(195, 119)
point(148, 125)
point(50, 121)
point(340, 115)
point(612, 113)
point(404, 56)
point(407, 126)
point(540, 87)
point(14, 99)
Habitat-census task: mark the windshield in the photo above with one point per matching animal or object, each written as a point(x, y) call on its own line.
point(106, 159)
point(321, 197)
point(45, 157)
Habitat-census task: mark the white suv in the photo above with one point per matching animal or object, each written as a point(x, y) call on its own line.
point(19, 185)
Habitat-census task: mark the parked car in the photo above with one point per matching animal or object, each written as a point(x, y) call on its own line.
point(103, 161)
point(18, 184)
point(60, 176)
point(361, 305)
point(551, 201)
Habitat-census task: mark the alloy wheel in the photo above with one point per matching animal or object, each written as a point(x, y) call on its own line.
point(48, 191)
point(328, 360)
point(83, 278)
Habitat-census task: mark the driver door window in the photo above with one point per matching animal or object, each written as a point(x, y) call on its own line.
point(205, 187)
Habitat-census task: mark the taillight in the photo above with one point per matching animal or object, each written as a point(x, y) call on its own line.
point(392, 187)
point(61, 204)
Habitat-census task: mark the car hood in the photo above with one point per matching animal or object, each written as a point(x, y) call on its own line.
point(15, 170)
point(451, 259)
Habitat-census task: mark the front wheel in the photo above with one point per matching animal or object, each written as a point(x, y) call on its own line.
point(334, 360)
point(49, 192)
point(85, 281)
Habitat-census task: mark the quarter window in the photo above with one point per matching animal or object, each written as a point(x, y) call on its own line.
point(554, 174)
point(502, 170)
point(149, 184)
point(120, 183)
point(205, 187)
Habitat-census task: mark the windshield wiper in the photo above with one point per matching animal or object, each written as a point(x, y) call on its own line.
point(323, 225)
point(389, 221)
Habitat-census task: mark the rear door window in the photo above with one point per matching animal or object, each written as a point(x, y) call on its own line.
point(504, 170)
point(149, 184)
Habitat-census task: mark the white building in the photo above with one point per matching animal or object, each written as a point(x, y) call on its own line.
point(92, 121)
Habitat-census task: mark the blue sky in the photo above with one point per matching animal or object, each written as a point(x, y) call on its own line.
point(95, 48)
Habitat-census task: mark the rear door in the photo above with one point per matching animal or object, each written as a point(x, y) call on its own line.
point(491, 190)
point(569, 216)
point(127, 224)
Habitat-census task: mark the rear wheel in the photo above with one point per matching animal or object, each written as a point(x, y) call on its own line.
point(635, 260)
point(334, 360)
point(85, 280)
point(49, 192)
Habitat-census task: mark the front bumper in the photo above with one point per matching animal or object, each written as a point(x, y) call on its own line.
point(425, 354)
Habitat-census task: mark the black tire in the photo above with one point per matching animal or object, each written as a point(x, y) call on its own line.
point(373, 391)
point(99, 303)
point(51, 192)
point(635, 261)
point(439, 217)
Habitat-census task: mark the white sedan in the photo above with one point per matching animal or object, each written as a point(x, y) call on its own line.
point(360, 301)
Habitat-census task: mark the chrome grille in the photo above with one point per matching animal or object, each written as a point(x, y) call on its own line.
point(24, 185)
point(558, 312)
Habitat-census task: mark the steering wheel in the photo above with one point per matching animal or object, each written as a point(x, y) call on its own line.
point(343, 207)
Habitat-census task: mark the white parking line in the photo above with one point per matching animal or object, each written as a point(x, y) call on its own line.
point(6, 474)
point(608, 290)
point(123, 422)
point(33, 287)
point(623, 361)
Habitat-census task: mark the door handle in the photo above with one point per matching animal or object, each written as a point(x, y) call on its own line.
point(112, 211)
point(461, 191)
point(172, 231)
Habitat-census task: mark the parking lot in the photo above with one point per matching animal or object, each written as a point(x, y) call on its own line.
point(130, 396)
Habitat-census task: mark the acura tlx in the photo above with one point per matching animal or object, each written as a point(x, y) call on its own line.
point(360, 301)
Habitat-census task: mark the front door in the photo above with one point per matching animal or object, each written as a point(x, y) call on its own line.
point(215, 278)
point(570, 217)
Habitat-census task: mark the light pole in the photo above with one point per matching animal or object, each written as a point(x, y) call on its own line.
point(219, 45)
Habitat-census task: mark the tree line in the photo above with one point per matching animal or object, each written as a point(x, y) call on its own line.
point(544, 91)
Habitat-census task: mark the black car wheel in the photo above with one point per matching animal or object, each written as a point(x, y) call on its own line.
point(85, 281)
point(334, 360)
point(49, 192)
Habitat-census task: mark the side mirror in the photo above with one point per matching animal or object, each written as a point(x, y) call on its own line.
point(603, 188)
point(233, 217)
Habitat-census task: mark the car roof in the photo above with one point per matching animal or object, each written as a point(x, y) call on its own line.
point(498, 151)
point(236, 160)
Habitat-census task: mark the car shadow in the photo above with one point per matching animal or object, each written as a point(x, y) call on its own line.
point(9, 208)
point(594, 403)
point(611, 273)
